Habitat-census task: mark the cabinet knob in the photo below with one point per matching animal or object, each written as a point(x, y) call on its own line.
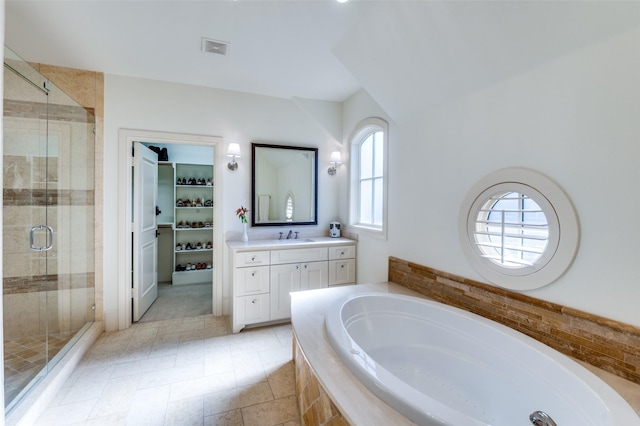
point(305, 266)
point(253, 274)
point(253, 258)
point(342, 253)
point(253, 302)
point(342, 266)
point(297, 266)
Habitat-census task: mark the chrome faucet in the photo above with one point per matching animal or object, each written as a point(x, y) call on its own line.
point(540, 418)
point(289, 234)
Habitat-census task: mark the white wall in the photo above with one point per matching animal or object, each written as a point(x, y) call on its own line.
point(577, 120)
point(237, 117)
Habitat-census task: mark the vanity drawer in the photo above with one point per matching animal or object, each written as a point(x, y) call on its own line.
point(342, 252)
point(314, 254)
point(252, 258)
point(251, 280)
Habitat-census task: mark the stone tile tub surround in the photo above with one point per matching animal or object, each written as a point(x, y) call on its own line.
point(339, 396)
point(601, 342)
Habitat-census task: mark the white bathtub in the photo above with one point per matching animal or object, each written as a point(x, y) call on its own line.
point(439, 365)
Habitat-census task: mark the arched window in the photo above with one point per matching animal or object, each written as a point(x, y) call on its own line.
point(288, 207)
point(368, 189)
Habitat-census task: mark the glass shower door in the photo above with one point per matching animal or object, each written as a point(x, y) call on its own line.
point(48, 225)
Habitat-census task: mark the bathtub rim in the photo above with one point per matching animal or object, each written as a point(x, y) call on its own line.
point(620, 411)
point(356, 402)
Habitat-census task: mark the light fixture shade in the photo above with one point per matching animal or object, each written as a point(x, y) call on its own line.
point(336, 157)
point(233, 150)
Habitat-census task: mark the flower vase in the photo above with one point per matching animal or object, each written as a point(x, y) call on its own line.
point(245, 237)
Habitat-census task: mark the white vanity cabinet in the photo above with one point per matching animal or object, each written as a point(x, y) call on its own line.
point(265, 272)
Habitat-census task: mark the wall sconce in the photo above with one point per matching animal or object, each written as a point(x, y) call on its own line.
point(336, 158)
point(233, 151)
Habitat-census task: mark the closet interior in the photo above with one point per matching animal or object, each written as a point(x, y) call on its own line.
point(185, 195)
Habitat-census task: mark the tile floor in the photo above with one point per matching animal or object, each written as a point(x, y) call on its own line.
point(184, 371)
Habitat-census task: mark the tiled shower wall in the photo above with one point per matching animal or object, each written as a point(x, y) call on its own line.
point(66, 280)
point(604, 343)
point(87, 89)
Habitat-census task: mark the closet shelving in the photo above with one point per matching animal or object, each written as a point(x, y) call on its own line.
point(192, 223)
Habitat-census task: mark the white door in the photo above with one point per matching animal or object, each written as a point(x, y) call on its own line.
point(145, 243)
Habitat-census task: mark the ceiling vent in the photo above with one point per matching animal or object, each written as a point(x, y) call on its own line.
point(215, 46)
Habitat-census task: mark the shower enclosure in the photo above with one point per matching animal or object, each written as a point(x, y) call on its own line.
point(48, 225)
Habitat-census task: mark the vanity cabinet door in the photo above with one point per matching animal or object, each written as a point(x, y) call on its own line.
point(314, 275)
point(284, 279)
point(342, 272)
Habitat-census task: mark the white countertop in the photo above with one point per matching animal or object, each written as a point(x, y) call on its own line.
point(357, 404)
point(288, 244)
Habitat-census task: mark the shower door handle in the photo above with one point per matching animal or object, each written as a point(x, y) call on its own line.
point(39, 228)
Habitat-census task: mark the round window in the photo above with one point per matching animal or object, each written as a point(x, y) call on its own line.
point(511, 225)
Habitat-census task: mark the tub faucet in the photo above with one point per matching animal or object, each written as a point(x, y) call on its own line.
point(540, 418)
point(289, 234)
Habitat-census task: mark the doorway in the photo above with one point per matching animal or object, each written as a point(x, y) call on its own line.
point(177, 143)
point(182, 232)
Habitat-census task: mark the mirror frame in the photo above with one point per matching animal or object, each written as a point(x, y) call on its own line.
point(255, 145)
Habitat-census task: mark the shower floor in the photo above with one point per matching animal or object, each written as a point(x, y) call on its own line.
point(24, 359)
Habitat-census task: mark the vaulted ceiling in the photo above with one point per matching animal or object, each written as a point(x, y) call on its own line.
point(409, 55)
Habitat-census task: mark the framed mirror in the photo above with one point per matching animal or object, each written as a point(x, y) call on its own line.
point(284, 185)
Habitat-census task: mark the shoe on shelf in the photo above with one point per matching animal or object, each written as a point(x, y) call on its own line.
point(178, 247)
point(179, 203)
point(209, 245)
point(209, 182)
point(208, 203)
point(188, 247)
point(209, 266)
point(198, 202)
point(199, 246)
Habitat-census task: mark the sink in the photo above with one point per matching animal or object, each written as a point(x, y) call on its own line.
point(294, 241)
